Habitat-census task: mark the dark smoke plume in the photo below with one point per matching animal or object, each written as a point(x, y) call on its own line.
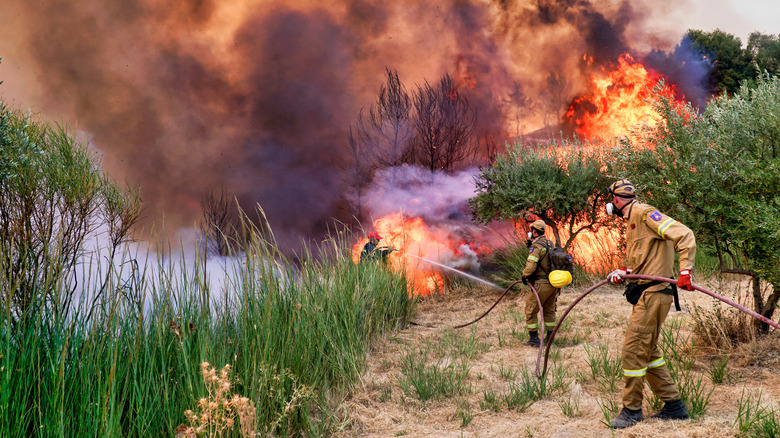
point(183, 97)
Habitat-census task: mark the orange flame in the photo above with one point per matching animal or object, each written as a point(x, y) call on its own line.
point(596, 251)
point(618, 101)
point(412, 236)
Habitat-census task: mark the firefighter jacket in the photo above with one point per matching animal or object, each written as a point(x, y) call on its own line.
point(537, 267)
point(651, 241)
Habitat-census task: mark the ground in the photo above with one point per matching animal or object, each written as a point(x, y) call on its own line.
point(491, 351)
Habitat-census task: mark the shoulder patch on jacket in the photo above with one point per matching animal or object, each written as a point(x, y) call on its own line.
point(531, 250)
point(656, 216)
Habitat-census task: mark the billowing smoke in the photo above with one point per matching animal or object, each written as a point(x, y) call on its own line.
point(441, 200)
point(189, 96)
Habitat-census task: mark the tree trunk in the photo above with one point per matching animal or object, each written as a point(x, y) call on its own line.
point(768, 308)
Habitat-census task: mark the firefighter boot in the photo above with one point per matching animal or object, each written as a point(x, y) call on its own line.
point(627, 418)
point(533, 339)
point(673, 410)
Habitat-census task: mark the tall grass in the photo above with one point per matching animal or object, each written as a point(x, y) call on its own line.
point(680, 361)
point(129, 362)
point(756, 419)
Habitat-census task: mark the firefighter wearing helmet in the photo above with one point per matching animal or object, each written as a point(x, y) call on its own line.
point(651, 241)
point(537, 267)
point(371, 250)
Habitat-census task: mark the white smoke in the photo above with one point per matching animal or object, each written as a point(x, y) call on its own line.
point(441, 200)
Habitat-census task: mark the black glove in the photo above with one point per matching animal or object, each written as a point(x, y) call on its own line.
point(525, 280)
point(528, 243)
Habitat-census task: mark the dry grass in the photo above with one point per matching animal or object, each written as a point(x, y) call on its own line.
point(379, 407)
point(719, 326)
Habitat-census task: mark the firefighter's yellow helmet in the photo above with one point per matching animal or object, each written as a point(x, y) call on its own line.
point(559, 278)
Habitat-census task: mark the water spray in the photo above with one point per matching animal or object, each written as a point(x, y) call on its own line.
point(459, 272)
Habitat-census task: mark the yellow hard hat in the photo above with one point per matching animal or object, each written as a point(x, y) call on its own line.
point(559, 278)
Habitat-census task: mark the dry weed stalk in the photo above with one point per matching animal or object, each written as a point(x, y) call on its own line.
point(216, 414)
point(723, 328)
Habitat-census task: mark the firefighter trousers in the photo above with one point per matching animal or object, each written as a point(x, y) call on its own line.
point(548, 295)
point(642, 359)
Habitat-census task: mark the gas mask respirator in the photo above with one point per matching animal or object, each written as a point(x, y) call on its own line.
point(612, 210)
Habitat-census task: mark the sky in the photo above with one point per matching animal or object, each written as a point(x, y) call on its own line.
point(736, 17)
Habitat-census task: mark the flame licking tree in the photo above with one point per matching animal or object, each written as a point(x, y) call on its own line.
point(618, 100)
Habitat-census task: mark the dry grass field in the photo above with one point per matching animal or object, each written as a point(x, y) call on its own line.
point(474, 382)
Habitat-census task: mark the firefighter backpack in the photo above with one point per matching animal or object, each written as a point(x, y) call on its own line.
point(562, 266)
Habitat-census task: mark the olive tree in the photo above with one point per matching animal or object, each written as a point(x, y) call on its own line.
point(718, 172)
point(563, 185)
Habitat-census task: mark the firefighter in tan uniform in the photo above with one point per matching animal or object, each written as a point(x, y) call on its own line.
point(651, 241)
point(537, 268)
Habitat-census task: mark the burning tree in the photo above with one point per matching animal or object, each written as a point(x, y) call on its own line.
point(443, 125)
point(519, 106)
point(380, 137)
point(556, 96)
point(562, 186)
point(718, 173)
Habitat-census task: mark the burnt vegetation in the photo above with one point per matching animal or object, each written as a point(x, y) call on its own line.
point(432, 127)
point(219, 224)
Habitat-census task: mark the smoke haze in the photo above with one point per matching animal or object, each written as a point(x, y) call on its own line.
point(257, 96)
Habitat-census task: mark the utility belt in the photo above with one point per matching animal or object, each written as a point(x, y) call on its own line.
point(634, 291)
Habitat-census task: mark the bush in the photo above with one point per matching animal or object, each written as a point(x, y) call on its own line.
point(53, 195)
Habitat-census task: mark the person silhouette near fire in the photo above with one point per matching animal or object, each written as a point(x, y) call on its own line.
point(652, 238)
point(371, 250)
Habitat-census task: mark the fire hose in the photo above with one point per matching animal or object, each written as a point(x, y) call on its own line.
point(554, 331)
point(541, 318)
point(758, 316)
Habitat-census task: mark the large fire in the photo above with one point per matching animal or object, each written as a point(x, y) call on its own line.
point(618, 101)
point(416, 241)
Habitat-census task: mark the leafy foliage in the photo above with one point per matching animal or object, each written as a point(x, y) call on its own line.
point(52, 196)
point(765, 50)
point(563, 187)
point(732, 64)
point(718, 173)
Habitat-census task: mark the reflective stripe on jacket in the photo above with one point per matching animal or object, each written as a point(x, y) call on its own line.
point(537, 264)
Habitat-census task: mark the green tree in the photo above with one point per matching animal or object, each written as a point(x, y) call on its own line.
point(731, 64)
point(53, 195)
point(718, 173)
point(765, 50)
point(563, 185)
